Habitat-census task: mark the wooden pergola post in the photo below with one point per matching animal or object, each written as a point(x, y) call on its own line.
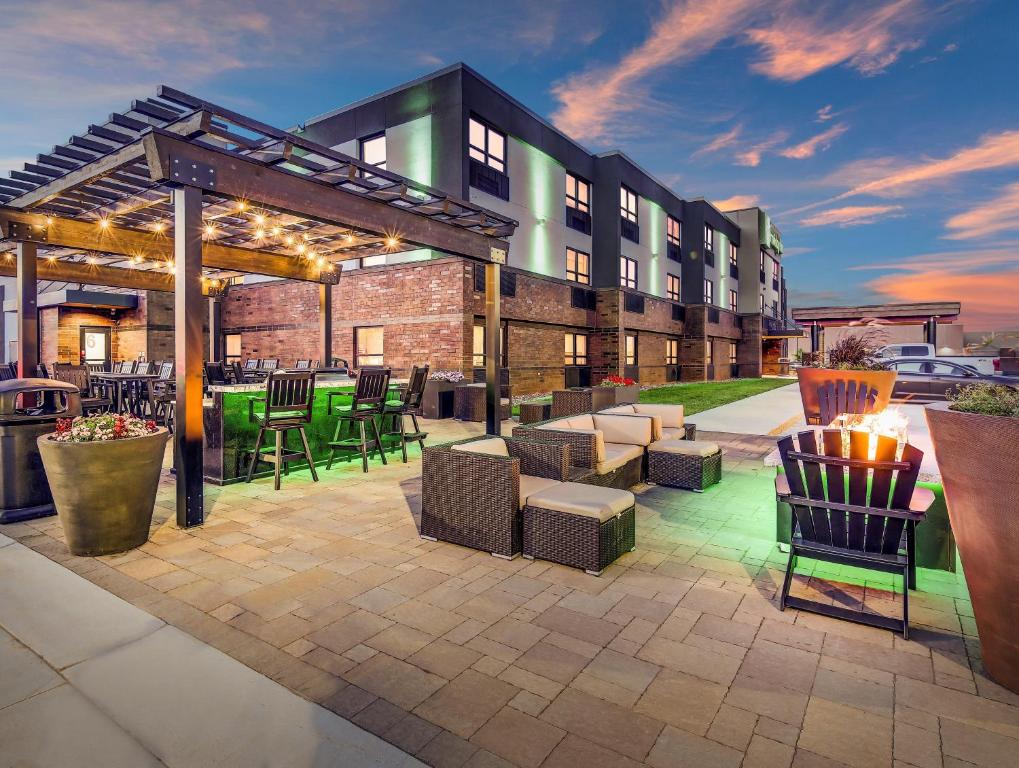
point(188, 322)
point(493, 360)
point(28, 310)
point(325, 324)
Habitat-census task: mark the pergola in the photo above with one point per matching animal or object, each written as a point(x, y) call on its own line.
point(928, 314)
point(178, 194)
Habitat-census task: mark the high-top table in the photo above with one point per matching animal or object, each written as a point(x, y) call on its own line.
point(120, 382)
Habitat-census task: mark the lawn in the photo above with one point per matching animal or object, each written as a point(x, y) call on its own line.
point(701, 395)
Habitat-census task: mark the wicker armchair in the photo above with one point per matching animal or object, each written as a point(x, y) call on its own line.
point(469, 402)
point(473, 499)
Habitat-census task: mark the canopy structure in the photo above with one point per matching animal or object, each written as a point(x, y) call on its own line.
point(927, 314)
point(179, 194)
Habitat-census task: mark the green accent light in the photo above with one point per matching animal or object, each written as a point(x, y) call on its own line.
point(541, 173)
point(419, 149)
point(656, 221)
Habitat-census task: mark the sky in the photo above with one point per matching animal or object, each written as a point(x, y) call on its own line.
point(882, 136)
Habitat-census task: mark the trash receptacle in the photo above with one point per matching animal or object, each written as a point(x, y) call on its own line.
point(24, 491)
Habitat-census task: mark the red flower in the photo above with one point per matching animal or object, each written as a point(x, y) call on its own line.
point(150, 425)
point(63, 425)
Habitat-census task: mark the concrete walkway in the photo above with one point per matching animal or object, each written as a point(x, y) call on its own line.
point(774, 412)
point(87, 679)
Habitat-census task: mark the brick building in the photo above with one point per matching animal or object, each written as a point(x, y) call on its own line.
point(609, 270)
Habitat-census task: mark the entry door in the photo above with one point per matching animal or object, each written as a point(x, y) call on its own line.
point(95, 346)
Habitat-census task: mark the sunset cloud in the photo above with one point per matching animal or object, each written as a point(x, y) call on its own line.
point(851, 215)
point(811, 146)
point(720, 142)
point(751, 156)
point(590, 101)
point(989, 218)
point(736, 202)
point(797, 44)
point(826, 113)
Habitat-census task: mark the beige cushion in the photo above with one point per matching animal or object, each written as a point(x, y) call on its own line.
point(557, 424)
point(671, 415)
point(581, 499)
point(503, 401)
point(530, 484)
point(685, 447)
point(493, 446)
point(616, 455)
point(618, 409)
point(581, 421)
point(618, 428)
point(673, 433)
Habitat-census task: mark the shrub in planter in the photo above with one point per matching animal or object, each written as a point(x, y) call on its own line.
point(851, 359)
point(103, 472)
point(976, 442)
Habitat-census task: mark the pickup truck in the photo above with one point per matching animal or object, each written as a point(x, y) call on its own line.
point(985, 364)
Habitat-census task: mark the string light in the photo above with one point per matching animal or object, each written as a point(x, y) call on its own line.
point(159, 226)
point(241, 205)
point(392, 242)
point(301, 248)
point(350, 238)
point(260, 220)
point(91, 260)
point(275, 231)
point(170, 266)
point(104, 223)
point(289, 240)
point(209, 230)
point(259, 234)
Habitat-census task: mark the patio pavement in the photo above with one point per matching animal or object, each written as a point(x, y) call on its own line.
point(676, 656)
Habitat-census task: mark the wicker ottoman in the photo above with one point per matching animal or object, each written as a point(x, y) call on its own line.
point(580, 525)
point(534, 412)
point(690, 464)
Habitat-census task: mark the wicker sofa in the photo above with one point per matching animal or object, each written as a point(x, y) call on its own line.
point(667, 420)
point(610, 447)
point(471, 490)
point(509, 496)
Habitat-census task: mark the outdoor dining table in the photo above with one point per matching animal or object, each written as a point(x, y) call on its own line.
point(120, 382)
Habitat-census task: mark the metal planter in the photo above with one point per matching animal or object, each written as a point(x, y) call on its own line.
point(104, 492)
point(978, 456)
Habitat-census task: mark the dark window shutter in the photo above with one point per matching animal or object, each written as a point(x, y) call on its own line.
point(508, 283)
point(578, 220)
point(633, 302)
point(479, 278)
point(712, 314)
point(678, 312)
point(629, 230)
point(582, 299)
point(489, 180)
point(592, 300)
point(672, 252)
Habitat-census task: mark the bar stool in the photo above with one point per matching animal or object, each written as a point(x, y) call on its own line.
point(408, 405)
point(288, 399)
point(369, 402)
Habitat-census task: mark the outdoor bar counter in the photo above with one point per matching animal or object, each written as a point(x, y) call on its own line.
point(935, 543)
point(230, 433)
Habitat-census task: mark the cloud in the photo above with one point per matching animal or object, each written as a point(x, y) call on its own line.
point(989, 218)
point(720, 142)
point(851, 215)
point(825, 113)
point(592, 100)
point(988, 298)
point(751, 156)
point(821, 141)
point(962, 260)
point(736, 202)
point(797, 44)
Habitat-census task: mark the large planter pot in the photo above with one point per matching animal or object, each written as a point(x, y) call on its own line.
point(977, 456)
point(812, 378)
point(606, 397)
point(105, 491)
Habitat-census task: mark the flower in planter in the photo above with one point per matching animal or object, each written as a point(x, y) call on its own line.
point(450, 376)
point(106, 426)
point(616, 381)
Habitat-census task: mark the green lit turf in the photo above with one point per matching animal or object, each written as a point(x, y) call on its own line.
point(701, 395)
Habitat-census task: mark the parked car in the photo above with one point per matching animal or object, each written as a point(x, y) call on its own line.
point(931, 380)
point(983, 364)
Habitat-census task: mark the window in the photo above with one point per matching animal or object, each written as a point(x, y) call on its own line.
point(774, 269)
point(672, 287)
point(368, 346)
point(576, 349)
point(479, 346)
point(762, 261)
point(732, 254)
point(373, 150)
point(732, 352)
point(578, 266)
point(709, 291)
point(628, 272)
point(628, 204)
point(630, 353)
point(487, 145)
point(672, 351)
point(762, 303)
point(733, 300)
point(909, 367)
point(578, 193)
point(709, 354)
point(673, 231)
point(232, 351)
point(709, 239)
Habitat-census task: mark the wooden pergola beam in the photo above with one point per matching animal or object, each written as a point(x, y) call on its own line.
point(239, 178)
point(70, 233)
point(94, 274)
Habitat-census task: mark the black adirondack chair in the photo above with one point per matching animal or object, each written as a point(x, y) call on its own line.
point(289, 396)
point(369, 402)
point(837, 397)
point(852, 510)
point(409, 405)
